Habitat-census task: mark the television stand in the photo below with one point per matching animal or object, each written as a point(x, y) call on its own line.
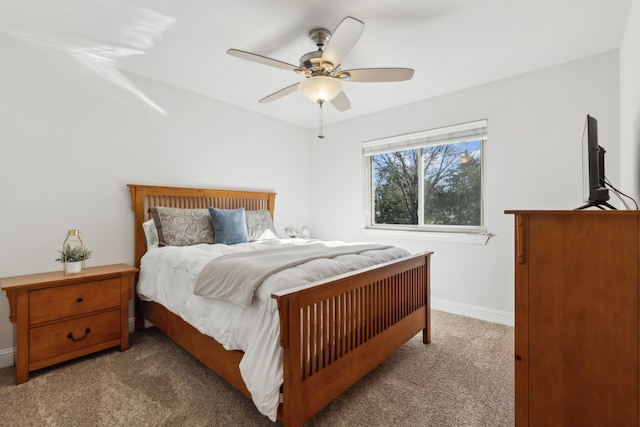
point(599, 205)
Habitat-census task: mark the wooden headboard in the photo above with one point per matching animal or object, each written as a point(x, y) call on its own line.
point(144, 197)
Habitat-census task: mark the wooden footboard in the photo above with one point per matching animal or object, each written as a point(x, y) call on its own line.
point(336, 331)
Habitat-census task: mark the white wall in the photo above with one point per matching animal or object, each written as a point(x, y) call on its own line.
point(630, 103)
point(71, 142)
point(64, 127)
point(533, 161)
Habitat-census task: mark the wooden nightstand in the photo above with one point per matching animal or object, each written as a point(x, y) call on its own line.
point(58, 317)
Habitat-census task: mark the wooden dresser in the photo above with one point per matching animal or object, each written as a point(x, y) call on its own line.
point(577, 318)
point(58, 317)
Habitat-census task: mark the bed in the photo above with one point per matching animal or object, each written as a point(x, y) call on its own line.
point(331, 332)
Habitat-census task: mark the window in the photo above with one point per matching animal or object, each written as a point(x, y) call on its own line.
point(427, 181)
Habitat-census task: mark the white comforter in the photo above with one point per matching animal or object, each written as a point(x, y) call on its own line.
point(168, 275)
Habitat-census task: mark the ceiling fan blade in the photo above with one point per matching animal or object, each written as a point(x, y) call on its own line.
point(262, 60)
point(377, 74)
point(342, 41)
point(279, 94)
point(341, 102)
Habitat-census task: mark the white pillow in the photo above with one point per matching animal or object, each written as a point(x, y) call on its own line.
point(150, 233)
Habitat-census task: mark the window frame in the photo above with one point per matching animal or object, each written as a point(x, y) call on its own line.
point(470, 131)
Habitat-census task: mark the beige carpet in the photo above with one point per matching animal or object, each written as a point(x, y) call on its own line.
point(464, 378)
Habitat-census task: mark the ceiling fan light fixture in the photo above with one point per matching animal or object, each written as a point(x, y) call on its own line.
point(320, 88)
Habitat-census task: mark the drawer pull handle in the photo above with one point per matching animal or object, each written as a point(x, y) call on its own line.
point(86, 332)
point(79, 299)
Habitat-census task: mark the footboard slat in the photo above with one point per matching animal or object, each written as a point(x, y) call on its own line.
point(347, 326)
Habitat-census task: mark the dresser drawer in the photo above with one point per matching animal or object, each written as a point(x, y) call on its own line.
point(71, 300)
point(72, 335)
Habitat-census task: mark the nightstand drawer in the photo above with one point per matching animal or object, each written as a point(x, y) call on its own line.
point(71, 300)
point(72, 335)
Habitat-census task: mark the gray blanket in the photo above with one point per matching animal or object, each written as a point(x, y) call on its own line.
point(235, 277)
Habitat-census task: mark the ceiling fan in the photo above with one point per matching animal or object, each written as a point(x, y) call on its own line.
point(321, 68)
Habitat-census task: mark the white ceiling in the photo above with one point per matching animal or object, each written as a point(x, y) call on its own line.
point(451, 44)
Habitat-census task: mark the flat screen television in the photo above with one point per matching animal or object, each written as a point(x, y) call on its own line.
point(595, 191)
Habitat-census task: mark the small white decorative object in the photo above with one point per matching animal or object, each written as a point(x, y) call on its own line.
point(291, 231)
point(304, 233)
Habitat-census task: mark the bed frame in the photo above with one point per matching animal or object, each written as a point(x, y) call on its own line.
point(332, 332)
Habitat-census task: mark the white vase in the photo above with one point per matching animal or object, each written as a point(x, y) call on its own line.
point(74, 267)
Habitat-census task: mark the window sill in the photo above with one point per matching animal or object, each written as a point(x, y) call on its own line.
point(468, 238)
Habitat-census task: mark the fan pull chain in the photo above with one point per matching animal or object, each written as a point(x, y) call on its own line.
point(321, 121)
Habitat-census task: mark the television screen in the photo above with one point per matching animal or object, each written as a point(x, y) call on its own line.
point(593, 178)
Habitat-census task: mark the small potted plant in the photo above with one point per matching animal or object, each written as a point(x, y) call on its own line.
point(73, 258)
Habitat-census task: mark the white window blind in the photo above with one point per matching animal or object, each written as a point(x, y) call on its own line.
point(470, 131)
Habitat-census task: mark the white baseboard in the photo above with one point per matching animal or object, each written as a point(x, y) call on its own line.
point(7, 354)
point(477, 312)
point(6, 357)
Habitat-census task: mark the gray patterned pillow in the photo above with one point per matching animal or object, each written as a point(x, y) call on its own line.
point(260, 225)
point(182, 227)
